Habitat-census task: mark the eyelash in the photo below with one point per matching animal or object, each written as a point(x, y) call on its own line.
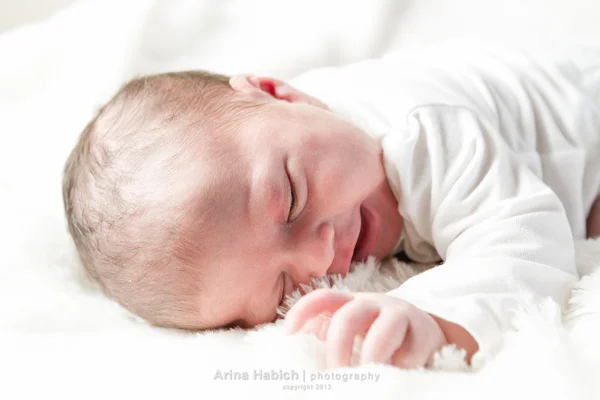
point(293, 199)
point(292, 202)
point(282, 290)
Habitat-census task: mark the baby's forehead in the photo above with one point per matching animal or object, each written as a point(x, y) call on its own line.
point(217, 187)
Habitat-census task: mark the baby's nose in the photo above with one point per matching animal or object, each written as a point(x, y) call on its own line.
point(317, 255)
point(344, 251)
point(341, 264)
point(326, 235)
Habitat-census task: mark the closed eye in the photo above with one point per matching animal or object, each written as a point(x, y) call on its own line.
point(282, 297)
point(292, 197)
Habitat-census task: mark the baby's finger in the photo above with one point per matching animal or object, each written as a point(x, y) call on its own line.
point(385, 336)
point(353, 319)
point(317, 326)
point(321, 301)
point(423, 339)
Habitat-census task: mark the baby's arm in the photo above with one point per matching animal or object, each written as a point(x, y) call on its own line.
point(503, 234)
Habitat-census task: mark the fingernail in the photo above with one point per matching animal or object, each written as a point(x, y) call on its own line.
point(306, 327)
point(324, 328)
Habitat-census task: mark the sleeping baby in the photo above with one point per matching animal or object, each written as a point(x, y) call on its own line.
point(201, 201)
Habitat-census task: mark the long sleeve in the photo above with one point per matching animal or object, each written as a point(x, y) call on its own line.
point(502, 233)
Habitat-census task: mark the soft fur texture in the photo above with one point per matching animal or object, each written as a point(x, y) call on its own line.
point(60, 338)
point(548, 354)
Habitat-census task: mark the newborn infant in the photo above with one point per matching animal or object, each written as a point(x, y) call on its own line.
point(201, 201)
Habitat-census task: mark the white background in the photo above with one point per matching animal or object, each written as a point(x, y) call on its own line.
point(16, 12)
point(56, 330)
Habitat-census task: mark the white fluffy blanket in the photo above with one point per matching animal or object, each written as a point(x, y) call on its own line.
point(61, 337)
point(92, 346)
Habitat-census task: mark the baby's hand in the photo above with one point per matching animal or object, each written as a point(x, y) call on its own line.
point(395, 332)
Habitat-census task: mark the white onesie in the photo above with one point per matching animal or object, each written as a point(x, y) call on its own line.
point(494, 156)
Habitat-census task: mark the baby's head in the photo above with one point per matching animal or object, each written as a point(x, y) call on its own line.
point(198, 201)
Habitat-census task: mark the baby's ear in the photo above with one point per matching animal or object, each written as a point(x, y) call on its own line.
point(261, 86)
